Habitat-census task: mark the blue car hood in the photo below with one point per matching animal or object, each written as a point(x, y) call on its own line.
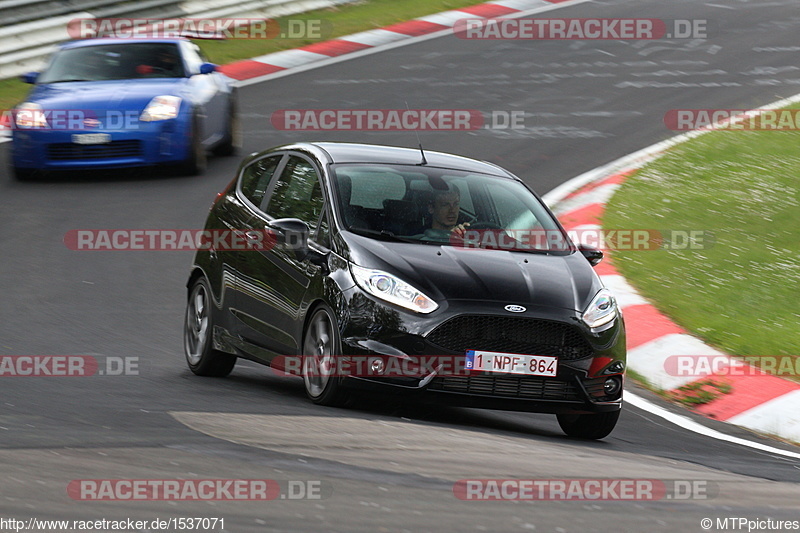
point(100, 96)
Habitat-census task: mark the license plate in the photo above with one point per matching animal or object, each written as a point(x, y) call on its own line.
point(91, 138)
point(512, 363)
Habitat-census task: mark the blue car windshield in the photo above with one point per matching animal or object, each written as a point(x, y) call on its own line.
point(115, 61)
point(445, 207)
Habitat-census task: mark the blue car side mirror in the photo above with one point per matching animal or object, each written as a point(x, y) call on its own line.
point(29, 77)
point(207, 68)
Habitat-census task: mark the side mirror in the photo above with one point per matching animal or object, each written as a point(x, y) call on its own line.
point(29, 77)
point(592, 254)
point(293, 234)
point(207, 68)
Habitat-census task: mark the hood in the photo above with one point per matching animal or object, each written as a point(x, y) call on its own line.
point(99, 96)
point(450, 273)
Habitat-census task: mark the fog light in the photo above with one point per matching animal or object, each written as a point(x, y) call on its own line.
point(617, 367)
point(376, 365)
point(612, 386)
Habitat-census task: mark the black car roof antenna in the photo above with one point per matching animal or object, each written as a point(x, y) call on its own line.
point(421, 151)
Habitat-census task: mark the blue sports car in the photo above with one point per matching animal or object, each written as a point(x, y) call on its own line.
point(113, 103)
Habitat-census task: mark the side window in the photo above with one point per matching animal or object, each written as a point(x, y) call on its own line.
point(256, 178)
point(297, 193)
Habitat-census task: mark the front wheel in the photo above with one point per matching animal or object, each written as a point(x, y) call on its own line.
point(198, 328)
point(21, 174)
point(321, 348)
point(232, 141)
point(593, 426)
point(197, 161)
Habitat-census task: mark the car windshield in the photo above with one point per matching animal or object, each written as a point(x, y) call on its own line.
point(117, 61)
point(445, 207)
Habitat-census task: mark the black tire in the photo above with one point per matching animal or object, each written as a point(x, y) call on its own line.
point(197, 162)
point(198, 327)
point(321, 343)
point(594, 426)
point(233, 137)
point(22, 174)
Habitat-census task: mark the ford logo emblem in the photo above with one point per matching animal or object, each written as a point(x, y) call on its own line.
point(515, 308)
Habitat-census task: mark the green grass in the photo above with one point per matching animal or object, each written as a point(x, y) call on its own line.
point(11, 92)
point(701, 392)
point(336, 22)
point(741, 294)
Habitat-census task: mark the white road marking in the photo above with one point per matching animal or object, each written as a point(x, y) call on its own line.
point(691, 425)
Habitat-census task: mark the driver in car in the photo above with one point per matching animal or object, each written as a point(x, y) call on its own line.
point(164, 62)
point(444, 210)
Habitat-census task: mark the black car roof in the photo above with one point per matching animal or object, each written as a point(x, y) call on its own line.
point(372, 153)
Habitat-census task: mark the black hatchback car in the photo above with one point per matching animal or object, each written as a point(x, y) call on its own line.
point(447, 277)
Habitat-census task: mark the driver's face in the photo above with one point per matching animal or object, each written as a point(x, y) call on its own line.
point(445, 211)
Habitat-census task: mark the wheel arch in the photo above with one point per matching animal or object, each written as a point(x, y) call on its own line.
point(216, 291)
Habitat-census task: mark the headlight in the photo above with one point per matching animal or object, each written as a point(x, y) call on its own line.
point(602, 310)
point(392, 289)
point(30, 115)
point(161, 108)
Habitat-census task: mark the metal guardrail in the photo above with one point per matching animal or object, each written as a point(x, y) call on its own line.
point(18, 11)
point(32, 28)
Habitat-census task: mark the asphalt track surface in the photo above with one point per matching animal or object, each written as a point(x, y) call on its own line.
point(386, 465)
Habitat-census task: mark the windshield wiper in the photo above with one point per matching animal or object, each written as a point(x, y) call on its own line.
point(65, 80)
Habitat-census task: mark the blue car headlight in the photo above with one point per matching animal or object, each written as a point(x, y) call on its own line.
point(29, 115)
point(602, 309)
point(161, 108)
point(392, 289)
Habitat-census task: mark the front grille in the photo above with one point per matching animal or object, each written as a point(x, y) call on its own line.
point(521, 335)
point(111, 150)
point(523, 387)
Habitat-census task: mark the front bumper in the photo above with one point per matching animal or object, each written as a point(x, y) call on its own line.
point(586, 359)
point(148, 143)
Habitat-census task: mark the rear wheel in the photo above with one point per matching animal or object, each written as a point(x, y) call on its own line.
point(321, 347)
point(593, 426)
point(198, 329)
